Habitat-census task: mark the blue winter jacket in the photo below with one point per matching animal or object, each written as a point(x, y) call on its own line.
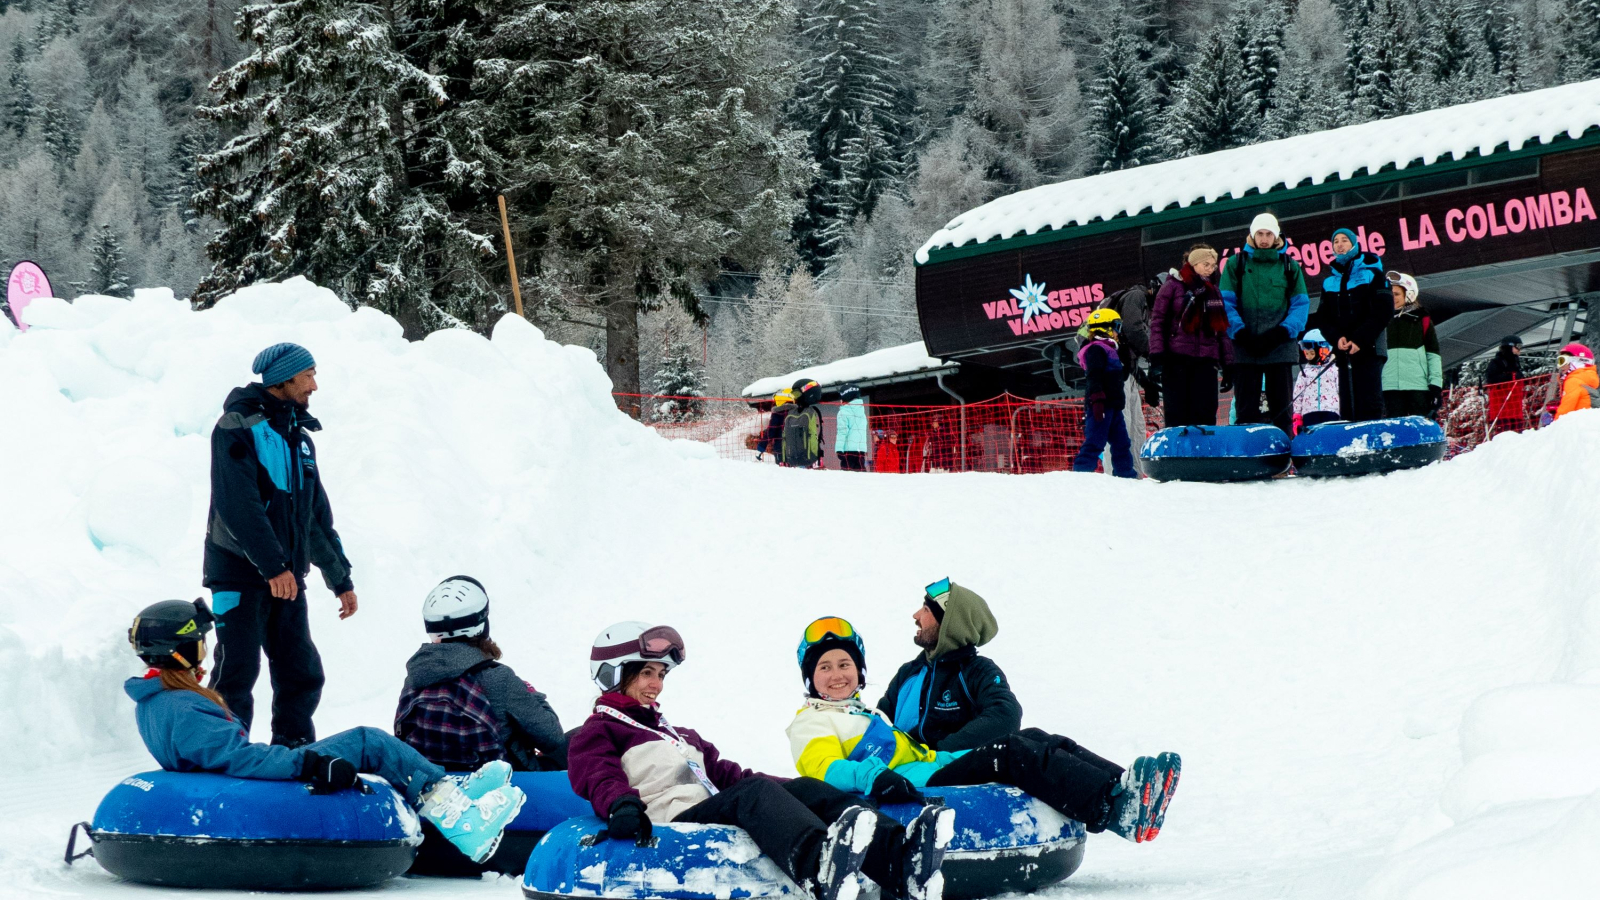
point(851, 423)
point(186, 732)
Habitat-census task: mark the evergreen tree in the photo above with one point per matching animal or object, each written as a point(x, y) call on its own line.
point(1455, 52)
point(846, 101)
point(60, 19)
point(1577, 40)
point(1157, 22)
point(802, 332)
point(1386, 61)
point(1263, 52)
point(17, 110)
point(1025, 93)
point(679, 382)
point(108, 272)
point(1211, 110)
point(1122, 118)
point(1501, 32)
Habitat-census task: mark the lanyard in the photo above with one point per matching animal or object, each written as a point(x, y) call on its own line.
point(673, 738)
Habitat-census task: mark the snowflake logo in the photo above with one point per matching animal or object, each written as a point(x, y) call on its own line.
point(1030, 297)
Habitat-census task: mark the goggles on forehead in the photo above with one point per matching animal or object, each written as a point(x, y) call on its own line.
point(937, 589)
point(660, 642)
point(829, 626)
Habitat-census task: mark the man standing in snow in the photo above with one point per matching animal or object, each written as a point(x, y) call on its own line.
point(1264, 293)
point(269, 521)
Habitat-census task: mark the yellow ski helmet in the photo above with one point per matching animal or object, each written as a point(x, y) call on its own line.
point(1103, 321)
point(782, 397)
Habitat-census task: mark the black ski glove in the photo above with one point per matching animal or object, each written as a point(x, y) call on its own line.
point(1435, 399)
point(892, 787)
point(1271, 339)
point(1152, 395)
point(327, 774)
point(1155, 373)
point(627, 820)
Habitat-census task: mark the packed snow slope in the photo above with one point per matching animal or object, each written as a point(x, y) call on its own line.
point(1386, 687)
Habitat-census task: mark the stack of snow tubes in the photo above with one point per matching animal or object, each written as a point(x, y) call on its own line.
point(1005, 841)
point(1366, 448)
point(550, 802)
point(199, 830)
point(1216, 453)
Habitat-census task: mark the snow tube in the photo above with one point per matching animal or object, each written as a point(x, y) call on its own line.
point(1005, 841)
point(550, 802)
point(1216, 453)
point(1365, 448)
point(199, 830)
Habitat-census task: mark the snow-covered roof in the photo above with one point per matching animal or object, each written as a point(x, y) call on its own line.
point(1440, 134)
point(906, 359)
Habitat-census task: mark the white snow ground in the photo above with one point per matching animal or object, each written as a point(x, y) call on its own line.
point(1384, 688)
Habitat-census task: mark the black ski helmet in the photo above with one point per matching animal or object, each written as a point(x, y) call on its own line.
point(807, 392)
point(172, 634)
point(1511, 340)
point(849, 392)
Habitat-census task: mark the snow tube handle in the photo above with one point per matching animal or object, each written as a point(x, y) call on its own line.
point(72, 843)
point(601, 836)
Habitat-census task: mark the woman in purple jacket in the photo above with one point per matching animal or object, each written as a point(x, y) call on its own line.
point(636, 769)
point(1189, 340)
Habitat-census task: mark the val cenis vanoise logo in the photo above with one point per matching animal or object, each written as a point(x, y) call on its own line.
point(1032, 309)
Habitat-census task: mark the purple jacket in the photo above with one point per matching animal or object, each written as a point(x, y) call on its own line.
point(1167, 334)
point(608, 759)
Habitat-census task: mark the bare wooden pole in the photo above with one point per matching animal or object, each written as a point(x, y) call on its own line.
point(511, 256)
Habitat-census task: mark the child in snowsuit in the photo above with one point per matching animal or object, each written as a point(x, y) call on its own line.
point(837, 738)
point(461, 707)
point(636, 770)
point(187, 728)
point(1579, 380)
point(1316, 390)
point(1103, 421)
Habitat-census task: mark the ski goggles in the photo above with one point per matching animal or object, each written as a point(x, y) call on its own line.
point(936, 590)
point(829, 627)
point(660, 642)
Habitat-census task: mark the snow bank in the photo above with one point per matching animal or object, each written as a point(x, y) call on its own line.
point(1347, 666)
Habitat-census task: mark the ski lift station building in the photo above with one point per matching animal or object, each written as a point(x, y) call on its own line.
point(1491, 205)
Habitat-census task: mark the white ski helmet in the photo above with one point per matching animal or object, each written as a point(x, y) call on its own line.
point(457, 607)
point(627, 642)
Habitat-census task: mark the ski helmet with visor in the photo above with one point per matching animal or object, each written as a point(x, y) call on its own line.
point(627, 642)
point(829, 633)
point(457, 607)
point(172, 634)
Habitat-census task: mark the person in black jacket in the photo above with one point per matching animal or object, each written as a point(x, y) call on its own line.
point(461, 707)
point(1507, 362)
point(269, 522)
point(1354, 317)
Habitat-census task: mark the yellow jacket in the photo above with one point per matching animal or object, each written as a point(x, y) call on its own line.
point(1573, 395)
point(847, 744)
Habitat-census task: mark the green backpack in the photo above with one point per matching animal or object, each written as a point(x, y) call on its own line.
point(802, 430)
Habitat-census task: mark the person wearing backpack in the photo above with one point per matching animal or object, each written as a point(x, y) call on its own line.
point(1103, 423)
point(850, 442)
point(802, 427)
point(1132, 306)
point(772, 435)
point(1413, 378)
point(461, 707)
point(1189, 340)
point(1354, 318)
point(1264, 293)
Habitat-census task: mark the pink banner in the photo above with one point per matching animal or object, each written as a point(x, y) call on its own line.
point(27, 281)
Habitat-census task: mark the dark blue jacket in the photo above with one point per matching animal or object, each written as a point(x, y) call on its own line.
point(1356, 304)
point(958, 702)
point(186, 732)
point(269, 513)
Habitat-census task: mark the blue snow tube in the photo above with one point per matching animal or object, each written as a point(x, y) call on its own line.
point(551, 801)
point(1005, 841)
point(1365, 448)
point(200, 830)
point(1216, 453)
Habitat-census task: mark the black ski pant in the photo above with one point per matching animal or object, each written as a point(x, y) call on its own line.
point(852, 460)
point(1408, 403)
point(1279, 385)
point(1361, 386)
point(789, 821)
point(252, 622)
point(1055, 769)
point(1189, 391)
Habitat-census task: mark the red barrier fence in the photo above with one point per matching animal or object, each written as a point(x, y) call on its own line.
point(1018, 435)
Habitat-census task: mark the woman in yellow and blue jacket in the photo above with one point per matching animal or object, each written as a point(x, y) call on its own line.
point(844, 742)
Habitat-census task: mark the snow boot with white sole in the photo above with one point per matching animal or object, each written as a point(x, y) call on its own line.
point(1169, 767)
point(843, 851)
point(926, 839)
point(473, 826)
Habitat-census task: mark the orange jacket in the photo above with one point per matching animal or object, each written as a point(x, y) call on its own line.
point(1573, 395)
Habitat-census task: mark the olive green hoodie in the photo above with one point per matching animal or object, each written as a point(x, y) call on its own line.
point(967, 622)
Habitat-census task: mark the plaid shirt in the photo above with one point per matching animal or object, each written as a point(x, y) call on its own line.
point(451, 723)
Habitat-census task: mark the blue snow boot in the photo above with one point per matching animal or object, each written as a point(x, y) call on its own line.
point(926, 839)
point(473, 826)
point(1170, 766)
point(843, 851)
point(490, 775)
point(1134, 800)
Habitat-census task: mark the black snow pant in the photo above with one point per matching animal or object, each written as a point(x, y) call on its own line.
point(1361, 386)
point(1247, 387)
point(789, 821)
point(248, 623)
point(1408, 403)
point(852, 460)
point(1055, 769)
point(1188, 391)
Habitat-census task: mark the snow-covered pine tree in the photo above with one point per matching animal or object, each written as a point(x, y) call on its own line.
point(1210, 109)
point(646, 151)
point(1455, 53)
point(1122, 110)
point(1503, 38)
point(1263, 52)
point(17, 109)
point(803, 332)
point(679, 382)
point(1387, 61)
point(59, 19)
point(1157, 21)
point(108, 264)
point(846, 101)
point(1312, 99)
point(1025, 93)
point(1577, 40)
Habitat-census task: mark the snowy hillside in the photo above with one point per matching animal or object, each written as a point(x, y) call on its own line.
point(1385, 688)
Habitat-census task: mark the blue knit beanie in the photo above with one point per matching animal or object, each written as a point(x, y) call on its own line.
point(281, 362)
point(1354, 241)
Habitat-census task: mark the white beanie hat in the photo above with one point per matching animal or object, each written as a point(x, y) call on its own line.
point(1265, 222)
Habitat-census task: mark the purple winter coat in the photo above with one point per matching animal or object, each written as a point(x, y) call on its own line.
point(1167, 334)
point(608, 759)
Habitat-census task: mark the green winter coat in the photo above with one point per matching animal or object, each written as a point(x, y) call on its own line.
point(1262, 289)
point(1414, 362)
